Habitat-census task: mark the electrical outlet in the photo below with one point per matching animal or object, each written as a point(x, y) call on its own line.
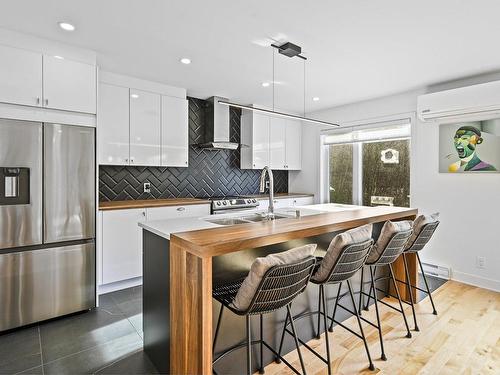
point(147, 187)
point(481, 262)
point(267, 184)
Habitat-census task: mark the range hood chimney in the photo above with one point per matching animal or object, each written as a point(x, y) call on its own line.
point(217, 126)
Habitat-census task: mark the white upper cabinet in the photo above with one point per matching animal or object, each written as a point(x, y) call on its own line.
point(272, 141)
point(69, 85)
point(254, 140)
point(113, 123)
point(174, 132)
point(293, 145)
point(144, 128)
point(277, 143)
point(20, 76)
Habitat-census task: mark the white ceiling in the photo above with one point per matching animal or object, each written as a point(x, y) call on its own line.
point(356, 49)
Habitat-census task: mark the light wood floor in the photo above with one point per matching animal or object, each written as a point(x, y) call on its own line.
point(463, 339)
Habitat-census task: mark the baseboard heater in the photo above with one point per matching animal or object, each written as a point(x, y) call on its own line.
point(437, 271)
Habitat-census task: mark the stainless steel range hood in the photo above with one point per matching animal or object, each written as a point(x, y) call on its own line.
point(217, 126)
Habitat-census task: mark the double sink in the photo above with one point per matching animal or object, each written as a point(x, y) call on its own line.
point(250, 218)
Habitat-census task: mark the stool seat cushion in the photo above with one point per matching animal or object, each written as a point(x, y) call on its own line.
point(261, 265)
point(339, 242)
point(418, 225)
point(389, 229)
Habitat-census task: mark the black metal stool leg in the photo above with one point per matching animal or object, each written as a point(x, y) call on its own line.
point(325, 317)
point(372, 286)
point(379, 326)
point(218, 327)
point(434, 311)
point(361, 289)
point(292, 324)
point(371, 367)
point(408, 334)
point(249, 346)
point(408, 285)
point(277, 359)
point(320, 299)
point(335, 308)
point(261, 369)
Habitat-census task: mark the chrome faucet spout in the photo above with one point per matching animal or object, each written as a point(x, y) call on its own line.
point(269, 172)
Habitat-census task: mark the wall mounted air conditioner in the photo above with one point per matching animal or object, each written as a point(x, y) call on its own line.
point(466, 103)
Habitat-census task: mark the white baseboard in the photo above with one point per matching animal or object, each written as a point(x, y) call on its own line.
point(119, 285)
point(474, 280)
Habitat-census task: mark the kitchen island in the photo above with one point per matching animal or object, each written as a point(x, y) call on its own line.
point(182, 257)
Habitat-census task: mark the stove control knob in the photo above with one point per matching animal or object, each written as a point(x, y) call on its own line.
point(224, 203)
point(218, 203)
point(254, 200)
point(249, 201)
point(233, 201)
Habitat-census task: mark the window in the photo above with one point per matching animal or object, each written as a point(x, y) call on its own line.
point(370, 165)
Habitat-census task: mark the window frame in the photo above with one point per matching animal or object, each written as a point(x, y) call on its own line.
point(357, 171)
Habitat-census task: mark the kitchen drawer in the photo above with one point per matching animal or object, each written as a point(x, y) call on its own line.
point(302, 201)
point(172, 212)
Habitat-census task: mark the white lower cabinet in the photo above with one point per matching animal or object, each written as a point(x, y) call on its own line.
point(121, 244)
point(173, 212)
point(120, 239)
point(302, 201)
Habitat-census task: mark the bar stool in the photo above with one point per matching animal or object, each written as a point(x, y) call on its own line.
point(389, 247)
point(278, 287)
point(420, 237)
point(345, 262)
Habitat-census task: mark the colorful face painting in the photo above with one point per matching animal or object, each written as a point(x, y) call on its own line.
point(466, 141)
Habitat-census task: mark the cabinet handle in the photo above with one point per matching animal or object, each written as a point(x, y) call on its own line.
point(186, 162)
point(126, 160)
point(132, 160)
point(144, 213)
point(37, 100)
point(46, 102)
point(181, 208)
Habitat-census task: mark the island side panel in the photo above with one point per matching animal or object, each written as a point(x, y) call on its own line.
point(156, 300)
point(190, 312)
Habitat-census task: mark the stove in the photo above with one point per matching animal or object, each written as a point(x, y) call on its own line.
point(232, 204)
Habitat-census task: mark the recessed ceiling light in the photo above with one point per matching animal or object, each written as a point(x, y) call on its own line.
point(66, 26)
point(134, 96)
point(315, 99)
point(265, 84)
point(59, 57)
point(185, 60)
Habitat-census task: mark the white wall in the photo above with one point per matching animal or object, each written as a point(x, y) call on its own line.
point(468, 203)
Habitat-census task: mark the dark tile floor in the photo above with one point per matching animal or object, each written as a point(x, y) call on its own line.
point(106, 340)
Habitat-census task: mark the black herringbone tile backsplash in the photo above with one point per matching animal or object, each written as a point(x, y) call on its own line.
point(210, 173)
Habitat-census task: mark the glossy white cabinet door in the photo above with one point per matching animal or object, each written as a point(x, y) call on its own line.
point(20, 76)
point(277, 139)
point(303, 201)
point(174, 132)
point(173, 212)
point(113, 125)
point(293, 145)
point(121, 244)
point(69, 85)
point(260, 139)
point(144, 128)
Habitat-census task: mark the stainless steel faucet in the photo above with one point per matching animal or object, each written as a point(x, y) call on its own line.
point(270, 214)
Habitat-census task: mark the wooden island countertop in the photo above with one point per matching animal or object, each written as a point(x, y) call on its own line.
point(190, 263)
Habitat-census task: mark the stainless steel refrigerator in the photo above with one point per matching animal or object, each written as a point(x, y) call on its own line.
point(47, 221)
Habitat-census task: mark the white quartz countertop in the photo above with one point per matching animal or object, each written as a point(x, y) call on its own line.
point(164, 228)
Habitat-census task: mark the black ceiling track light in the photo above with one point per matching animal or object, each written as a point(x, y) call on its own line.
point(290, 50)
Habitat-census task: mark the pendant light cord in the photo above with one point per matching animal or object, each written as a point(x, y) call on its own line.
point(304, 88)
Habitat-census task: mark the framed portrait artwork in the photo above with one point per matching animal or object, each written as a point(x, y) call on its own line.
point(470, 147)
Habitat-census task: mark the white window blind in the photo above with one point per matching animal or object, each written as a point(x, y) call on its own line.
point(387, 130)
